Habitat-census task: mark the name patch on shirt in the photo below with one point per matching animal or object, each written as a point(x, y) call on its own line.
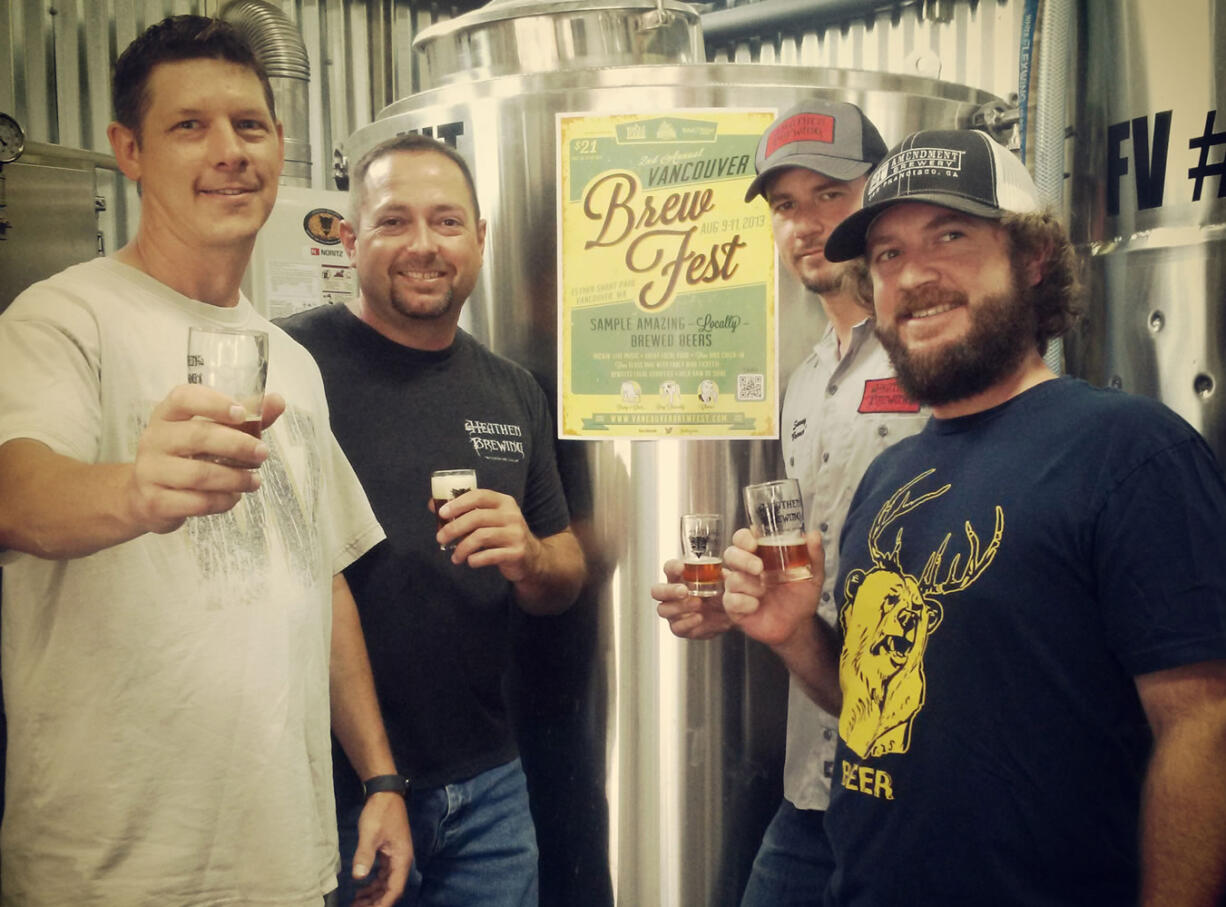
point(883, 395)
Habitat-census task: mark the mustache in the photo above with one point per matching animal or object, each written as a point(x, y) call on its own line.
point(926, 297)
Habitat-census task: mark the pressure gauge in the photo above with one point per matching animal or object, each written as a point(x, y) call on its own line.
point(12, 139)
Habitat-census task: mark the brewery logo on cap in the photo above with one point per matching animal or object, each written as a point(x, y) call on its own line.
point(965, 170)
point(832, 138)
point(803, 127)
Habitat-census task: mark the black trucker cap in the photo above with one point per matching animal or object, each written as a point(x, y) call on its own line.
point(962, 169)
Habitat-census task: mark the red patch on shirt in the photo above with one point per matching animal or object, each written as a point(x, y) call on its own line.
point(883, 395)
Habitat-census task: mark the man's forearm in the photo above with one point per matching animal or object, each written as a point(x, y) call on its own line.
point(356, 719)
point(1183, 808)
point(56, 507)
point(556, 577)
point(1183, 819)
point(811, 655)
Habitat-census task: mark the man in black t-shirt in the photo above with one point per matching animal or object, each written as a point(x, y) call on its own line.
point(1030, 662)
point(410, 393)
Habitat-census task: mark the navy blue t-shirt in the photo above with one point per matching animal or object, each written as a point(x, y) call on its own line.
point(1004, 577)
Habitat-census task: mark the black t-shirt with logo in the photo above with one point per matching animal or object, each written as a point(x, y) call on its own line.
point(1004, 577)
point(437, 633)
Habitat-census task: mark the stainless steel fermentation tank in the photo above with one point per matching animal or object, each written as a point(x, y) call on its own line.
point(1149, 204)
point(654, 764)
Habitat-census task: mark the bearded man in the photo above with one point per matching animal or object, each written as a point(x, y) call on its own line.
point(1064, 746)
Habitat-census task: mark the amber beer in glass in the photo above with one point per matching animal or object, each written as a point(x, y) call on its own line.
point(234, 362)
point(702, 544)
point(777, 520)
point(447, 485)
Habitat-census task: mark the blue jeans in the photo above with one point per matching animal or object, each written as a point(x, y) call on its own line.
point(474, 844)
point(794, 862)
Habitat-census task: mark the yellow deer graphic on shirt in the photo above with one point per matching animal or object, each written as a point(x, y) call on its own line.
point(887, 619)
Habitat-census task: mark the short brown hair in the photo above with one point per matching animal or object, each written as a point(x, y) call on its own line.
point(410, 142)
point(172, 40)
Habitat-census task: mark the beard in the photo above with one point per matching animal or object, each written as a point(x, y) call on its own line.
point(1001, 333)
point(423, 313)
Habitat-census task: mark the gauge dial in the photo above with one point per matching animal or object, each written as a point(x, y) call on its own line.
point(12, 139)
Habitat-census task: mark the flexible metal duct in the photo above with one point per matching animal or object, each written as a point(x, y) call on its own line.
point(279, 46)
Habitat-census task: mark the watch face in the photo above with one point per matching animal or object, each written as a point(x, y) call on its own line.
point(12, 139)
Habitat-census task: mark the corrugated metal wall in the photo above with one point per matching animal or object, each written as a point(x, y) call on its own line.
point(971, 43)
point(55, 55)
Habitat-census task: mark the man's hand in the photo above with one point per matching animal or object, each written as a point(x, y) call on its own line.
point(176, 474)
point(383, 829)
point(488, 529)
point(57, 507)
point(784, 616)
point(769, 613)
point(688, 616)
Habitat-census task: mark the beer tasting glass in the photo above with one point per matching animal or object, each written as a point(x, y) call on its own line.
point(234, 362)
point(777, 520)
point(447, 485)
point(702, 544)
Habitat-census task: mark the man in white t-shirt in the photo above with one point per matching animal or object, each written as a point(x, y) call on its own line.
point(177, 633)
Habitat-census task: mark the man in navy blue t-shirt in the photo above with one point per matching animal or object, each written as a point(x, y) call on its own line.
point(1030, 660)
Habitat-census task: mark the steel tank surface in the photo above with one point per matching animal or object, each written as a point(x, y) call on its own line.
point(654, 764)
point(1149, 205)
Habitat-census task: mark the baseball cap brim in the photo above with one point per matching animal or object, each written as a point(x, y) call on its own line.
point(847, 240)
point(837, 168)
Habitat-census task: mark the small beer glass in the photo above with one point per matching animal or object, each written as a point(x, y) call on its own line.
point(702, 544)
point(234, 362)
point(777, 520)
point(447, 485)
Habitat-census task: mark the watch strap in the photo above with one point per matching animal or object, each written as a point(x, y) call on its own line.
point(395, 784)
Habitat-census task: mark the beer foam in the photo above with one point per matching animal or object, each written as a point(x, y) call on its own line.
point(447, 488)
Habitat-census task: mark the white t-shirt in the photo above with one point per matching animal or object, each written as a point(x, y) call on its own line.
point(167, 698)
point(838, 414)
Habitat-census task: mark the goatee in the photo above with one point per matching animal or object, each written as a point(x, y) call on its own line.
point(1001, 333)
point(438, 310)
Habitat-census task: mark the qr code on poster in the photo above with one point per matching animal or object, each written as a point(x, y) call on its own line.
point(750, 388)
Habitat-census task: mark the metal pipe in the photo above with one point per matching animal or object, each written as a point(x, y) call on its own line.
point(1050, 116)
point(278, 44)
point(769, 16)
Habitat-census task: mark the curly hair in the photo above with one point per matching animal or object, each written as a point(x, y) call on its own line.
point(1056, 297)
point(172, 40)
point(1039, 235)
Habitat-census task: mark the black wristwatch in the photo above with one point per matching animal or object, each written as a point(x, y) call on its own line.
point(395, 784)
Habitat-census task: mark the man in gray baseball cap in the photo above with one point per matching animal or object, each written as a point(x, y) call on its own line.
point(840, 410)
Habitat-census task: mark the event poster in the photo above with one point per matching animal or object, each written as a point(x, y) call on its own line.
point(666, 278)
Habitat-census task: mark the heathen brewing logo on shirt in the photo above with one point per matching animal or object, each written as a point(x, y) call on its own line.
point(495, 440)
